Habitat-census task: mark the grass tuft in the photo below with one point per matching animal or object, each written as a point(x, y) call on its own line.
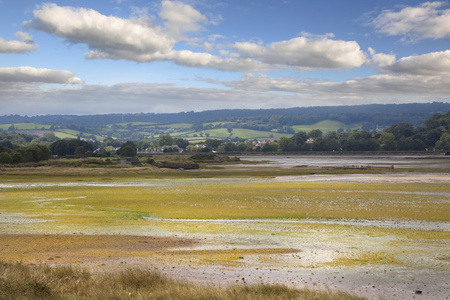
point(20, 281)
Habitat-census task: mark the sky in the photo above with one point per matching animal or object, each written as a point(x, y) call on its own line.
point(130, 56)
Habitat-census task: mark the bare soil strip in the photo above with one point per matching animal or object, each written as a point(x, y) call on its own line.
point(75, 249)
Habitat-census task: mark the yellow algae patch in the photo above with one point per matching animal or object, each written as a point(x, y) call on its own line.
point(223, 257)
point(400, 234)
point(390, 201)
point(364, 258)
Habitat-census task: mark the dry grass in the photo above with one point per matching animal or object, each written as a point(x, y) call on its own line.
point(19, 281)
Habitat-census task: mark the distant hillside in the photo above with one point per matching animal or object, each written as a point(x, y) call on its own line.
point(372, 115)
point(224, 124)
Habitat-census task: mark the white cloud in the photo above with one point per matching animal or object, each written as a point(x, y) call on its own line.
point(137, 40)
point(129, 39)
point(34, 75)
point(180, 17)
point(380, 59)
point(24, 37)
point(434, 63)
point(24, 45)
point(107, 36)
point(206, 60)
point(428, 20)
point(140, 40)
point(306, 53)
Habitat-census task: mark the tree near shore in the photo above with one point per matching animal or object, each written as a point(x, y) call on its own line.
point(128, 149)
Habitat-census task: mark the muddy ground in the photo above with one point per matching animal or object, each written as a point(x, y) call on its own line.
point(300, 253)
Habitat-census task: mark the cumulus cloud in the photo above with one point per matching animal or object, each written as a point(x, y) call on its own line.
point(306, 52)
point(428, 20)
point(139, 40)
point(24, 37)
point(34, 75)
point(435, 63)
point(380, 59)
point(25, 44)
point(180, 17)
point(107, 36)
point(110, 37)
point(195, 59)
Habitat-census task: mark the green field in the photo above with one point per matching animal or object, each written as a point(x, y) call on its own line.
point(223, 133)
point(25, 126)
point(63, 135)
point(254, 134)
point(326, 126)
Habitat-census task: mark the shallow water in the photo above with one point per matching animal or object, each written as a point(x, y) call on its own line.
point(397, 224)
point(384, 161)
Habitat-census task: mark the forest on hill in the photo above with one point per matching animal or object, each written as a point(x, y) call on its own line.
point(224, 124)
point(373, 114)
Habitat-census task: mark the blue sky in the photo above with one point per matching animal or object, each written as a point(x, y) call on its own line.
point(130, 56)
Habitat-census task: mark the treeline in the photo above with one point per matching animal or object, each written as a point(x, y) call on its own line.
point(23, 148)
point(433, 135)
point(381, 114)
point(34, 153)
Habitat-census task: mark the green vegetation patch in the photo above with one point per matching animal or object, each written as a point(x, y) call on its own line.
point(24, 126)
point(229, 200)
point(327, 126)
point(255, 134)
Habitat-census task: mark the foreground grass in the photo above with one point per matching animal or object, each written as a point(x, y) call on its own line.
point(19, 281)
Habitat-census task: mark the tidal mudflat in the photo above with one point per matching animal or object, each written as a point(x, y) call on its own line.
point(382, 236)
